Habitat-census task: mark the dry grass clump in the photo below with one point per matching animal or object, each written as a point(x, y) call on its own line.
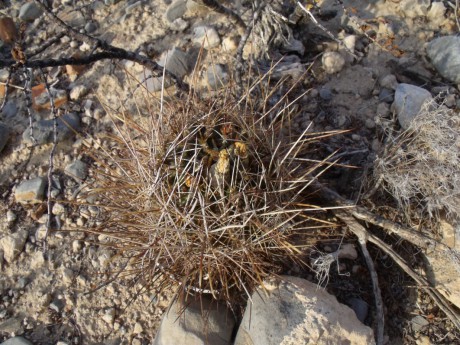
point(204, 195)
point(420, 166)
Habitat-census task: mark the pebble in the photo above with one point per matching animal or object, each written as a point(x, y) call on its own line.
point(4, 135)
point(90, 27)
point(31, 191)
point(413, 9)
point(176, 10)
point(333, 62)
point(109, 316)
point(230, 44)
point(12, 245)
point(77, 169)
point(176, 62)
point(217, 76)
point(29, 12)
point(418, 322)
point(10, 216)
point(325, 94)
point(178, 25)
point(206, 36)
point(360, 307)
point(389, 82)
point(386, 95)
point(43, 130)
point(78, 92)
point(347, 251)
point(444, 53)
point(383, 109)
point(77, 246)
point(138, 328)
point(408, 102)
point(111, 2)
point(74, 44)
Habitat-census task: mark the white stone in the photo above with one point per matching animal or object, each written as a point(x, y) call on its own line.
point(295, 311)
point(333, 62)
point(409, 100)
point(206, 36)
point(78, 92)
point(12, 245)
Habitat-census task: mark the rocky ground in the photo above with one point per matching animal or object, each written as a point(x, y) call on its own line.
point(386, 58)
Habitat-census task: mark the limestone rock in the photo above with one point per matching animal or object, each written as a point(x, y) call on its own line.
point(176, 61)
point(297, 312)
point(444, 53)
point(212, 326)
point(12, 245)
point(408, 102)
point(31, 191)
point(43, 130)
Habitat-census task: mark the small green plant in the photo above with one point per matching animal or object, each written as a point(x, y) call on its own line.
point(205, 195)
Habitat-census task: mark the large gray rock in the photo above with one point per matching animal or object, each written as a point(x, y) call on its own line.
point(31, 191)
point(297, 312)
point(409, 100)
point(12, 245)
point(4, 135)
point(177, 62)
point(43, 130)
point(201, 323)
point(444, 53)
point(16, 341)
point(29, 12)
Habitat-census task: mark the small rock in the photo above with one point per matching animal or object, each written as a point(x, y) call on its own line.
point(178, 25)
point(111, 2)
point(347, 251)
point(202, 322)
point(418, 322)
point(360, 308)
point(383, 109)
point(78, 170)
point(413, 9)
point(444, 53)
point(29, 12)
point(176, 10)
point(217, 76)
point(333, 62)
point(293, 45)
point(437, 11)
point(90, 27)
point(10, 216)
point(408, 102)
point(31, 191)
point(423, 339)
point(325, 94)
point(196, 9)
point(43, 130)
point(109, 316)
point(4, 135)
point(77, 246)
point(230, 44)
point(78, 92)
point(9, 110)
point(138, 328)
point(176, 62)
point(295, 311)
point(12, 245)
point(389, 82)
point(386, 95)
point(16, 341)
point(58, 209)
point(206, 36)
point(67, 276)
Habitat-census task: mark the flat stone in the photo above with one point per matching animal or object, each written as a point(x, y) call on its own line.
point(295, 311)
point(31, 191)
point(418, 322)
point(444, 53)
point(206, 36)
point(409, 100)
point(12, 244)
point(16, 341)
point(176, 10)
point(29, 12)
point(43, 130)
point(78, 170)
point(176, 61)
point(201, 323)
point(4, 135)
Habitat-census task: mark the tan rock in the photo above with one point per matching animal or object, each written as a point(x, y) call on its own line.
point(297, 312)
point(12, 245)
